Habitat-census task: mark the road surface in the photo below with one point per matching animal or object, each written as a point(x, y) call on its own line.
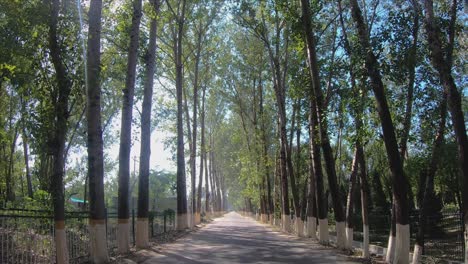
point(237, 239)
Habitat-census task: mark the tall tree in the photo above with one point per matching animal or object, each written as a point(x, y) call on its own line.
point(399, 187)
point(317, 93)
point(316, 170)
point(25, 138)
point(179, 15)
point(359, 159)
point(97, 224)
point(60, 133)
point(126, 132)
point(142, 240)
point(350, 200)
point(202, 157)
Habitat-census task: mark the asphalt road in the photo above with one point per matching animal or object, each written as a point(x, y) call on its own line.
point(237, 239)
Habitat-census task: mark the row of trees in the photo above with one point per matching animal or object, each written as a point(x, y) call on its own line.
point(62, 94)
point(370, 89)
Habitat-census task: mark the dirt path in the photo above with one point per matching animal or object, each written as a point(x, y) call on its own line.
point(236, 239)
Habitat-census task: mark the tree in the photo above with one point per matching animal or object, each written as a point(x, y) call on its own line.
point(60, 133)
point(359, 160)
point(126, 132)
point(98, 243)
point(398, 177)
point(317, 95)
point(202, 159)
point(145, 152)
point(177, 51)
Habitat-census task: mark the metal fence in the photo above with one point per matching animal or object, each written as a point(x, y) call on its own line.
point(159, 222)
point(443, 236)
point(443, 232)
point(27, 236)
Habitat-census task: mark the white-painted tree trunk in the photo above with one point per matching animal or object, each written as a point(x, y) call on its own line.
point(189, 220)
point(417, 253)
point(402, 244)
point(312, 227)
point(142, 235)
point(286, 222)
point(340, 234)
point(365, 244)
point(98, 242)
point(390, 249)
point(197, 218)
point(61, 248)
point(349, 237)
point(123, 237)
point(299, 227)
point(323, 231)
point(181, 222)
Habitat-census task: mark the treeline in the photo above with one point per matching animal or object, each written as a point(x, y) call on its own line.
point(349, 107)
point(69, 69)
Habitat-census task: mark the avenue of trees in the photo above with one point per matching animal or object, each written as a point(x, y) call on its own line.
point(285, 109)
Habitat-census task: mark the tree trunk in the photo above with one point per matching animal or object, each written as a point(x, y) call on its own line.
point(211, 176)
point(350, 201)
point(399, 181)
point(285, 162)
point(270, 206)
point(123, 237)
point(302, 205)
point(60, 133)
point(316, 91)
point(193, 153)
point(98, 243)
point(208, 183)
point(26, 163)
point(316, 165)
point(25, 137)
point(10, 192)
point(359, 95)
point(216, 179)
point(364, 201)
point(181, 181)
point(142, 239)
point(311, 230)
point(202, 158)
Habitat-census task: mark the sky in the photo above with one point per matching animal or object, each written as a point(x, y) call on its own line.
point(160, 158)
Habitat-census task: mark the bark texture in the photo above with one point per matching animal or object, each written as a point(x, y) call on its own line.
point(126, 129)
point(145, 150)
point(60, 133)
point(97, 216)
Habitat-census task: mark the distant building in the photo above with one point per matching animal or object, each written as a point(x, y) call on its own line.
point(78, 203)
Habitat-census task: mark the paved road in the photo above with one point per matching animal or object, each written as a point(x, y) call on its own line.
point(236, 239)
